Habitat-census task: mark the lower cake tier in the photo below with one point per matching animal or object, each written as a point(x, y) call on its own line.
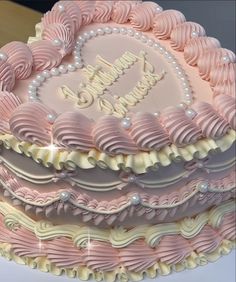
point(108, 254)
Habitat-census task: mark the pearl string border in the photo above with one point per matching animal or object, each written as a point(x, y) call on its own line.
point(42, 77)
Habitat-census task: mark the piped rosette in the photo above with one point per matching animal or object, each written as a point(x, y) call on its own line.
point(122, 10)
point(29, 122)
point(7, 76)
point(87, 9)
point(103, 11)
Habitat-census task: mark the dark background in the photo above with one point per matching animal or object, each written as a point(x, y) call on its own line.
point(217, 17)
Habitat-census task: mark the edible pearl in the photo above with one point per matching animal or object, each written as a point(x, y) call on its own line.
point(62, 69)
point(123, 30)
point(57, 42)
point(32, 93)
point(182, 106)
point(46, 74)
point(130, 32)
point(3, 56)
point(40, 78)
point(71, 67)
point(115, 30)
point(93, 33)
point(132, 178)
point(78, 65)
point(36, 83)
point(156, 114)
point(190, 113)
point(55, 71)
point(65, 196)
point(32, 98)
point(108, 30)
point(194, 33)
point(137, 34)
point(144, 38)
point(51, 118)
point(225, 59)
point(135, 200)
point(126, 123)
point(86, 35)
point(150, 42)
point(61, 8)
point(32, 87)
point(156, 46)
point(100, 31)
point(203, 187)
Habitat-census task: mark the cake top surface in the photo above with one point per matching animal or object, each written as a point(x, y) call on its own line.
point(116, 78)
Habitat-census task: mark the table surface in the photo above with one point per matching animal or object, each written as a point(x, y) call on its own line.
point(20, 27)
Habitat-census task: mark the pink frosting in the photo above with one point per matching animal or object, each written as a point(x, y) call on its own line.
point(7, 76)
point(211, 124)
point(59, 31)
point(45, 55)
point(4, 233)
point(20, 58)
point(222, 74)
point(196, 46)
point(110, 137)
point(57, 16)
point(165, 22)
point(228, 228)
point(122, 10)
point(181, 129)
point(209, 59)
point(8, 103)
point(73, 130)
point(148, 133)
point(173, 249)
point(26, 127)
point(101, 256)
point(226, 88)
point(141, 17)
point(225, 105)
point(103, 11)
point(138, 256)
point(73, 11)
point(87, 9)
point(181, 35)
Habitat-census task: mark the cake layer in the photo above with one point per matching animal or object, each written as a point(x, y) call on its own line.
point(83, 252)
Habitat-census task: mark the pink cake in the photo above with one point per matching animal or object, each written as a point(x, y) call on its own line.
point(117, 134)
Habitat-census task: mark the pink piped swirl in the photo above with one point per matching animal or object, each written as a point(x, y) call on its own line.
point(26, 127)
point(73, 130)
point(87, 9)
point(183, 33)
point(121, 11)
point(4, 232)
point(73, 11)
point(181, 129)
point(7, 76)
point(20, 58)
point(138, 256)
point(228, 229)
point(226, 88)
point(203, 242)
point(59, 31)
point(210, 122)
point(111, 138)
point(101, 256)
point(165, 22)
point(147, 132)
point(141, 17)
point(57, 16)
point(173, 249)
point(8, 103)
point(209, 59)
point(63, 253)
point(196, 46)
point(103, 11)
point(222, 74)
point(226, 106)
point(45, 55)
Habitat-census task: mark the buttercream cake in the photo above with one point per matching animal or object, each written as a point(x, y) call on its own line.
point(117, 134)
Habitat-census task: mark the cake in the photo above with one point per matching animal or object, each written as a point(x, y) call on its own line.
point(117, 134)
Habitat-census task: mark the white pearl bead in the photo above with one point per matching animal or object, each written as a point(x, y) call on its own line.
point(156, 114)
point(190, 113)
point(126, 123)
point(78, 59)
point(36, 83)
point(100, 31)
point(150, 42)
point(40, 78)
point(130, 32)
point(46, 74)
point(61, 8)
point(135, 200)
point(137, 34)
point(32, 98)
point(3, 56)
point(182, 105)
point(32, 87)
point(203, 187)
point(92, 33)
point(188, 101)
point(132, 178)
point(71, 67)
point(81, 39)
point(65, 196)
point(144, 38)
point(57, 42)
point(225, 59)
point(51, 118)
point(108, 30)
point(62, 69)
point(32, 93)
point(78, 65)
point(86, 36)
point(123, 30)
point(161, 49)
point(115, 30)
point(156, 46)
point(159, 9)
point(194, 34)
point(54, 71)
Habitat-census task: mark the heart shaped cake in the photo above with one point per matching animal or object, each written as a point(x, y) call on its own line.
point(117, 135)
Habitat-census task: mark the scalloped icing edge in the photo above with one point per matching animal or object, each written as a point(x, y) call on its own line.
point(120, 274)
point(139, 163)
